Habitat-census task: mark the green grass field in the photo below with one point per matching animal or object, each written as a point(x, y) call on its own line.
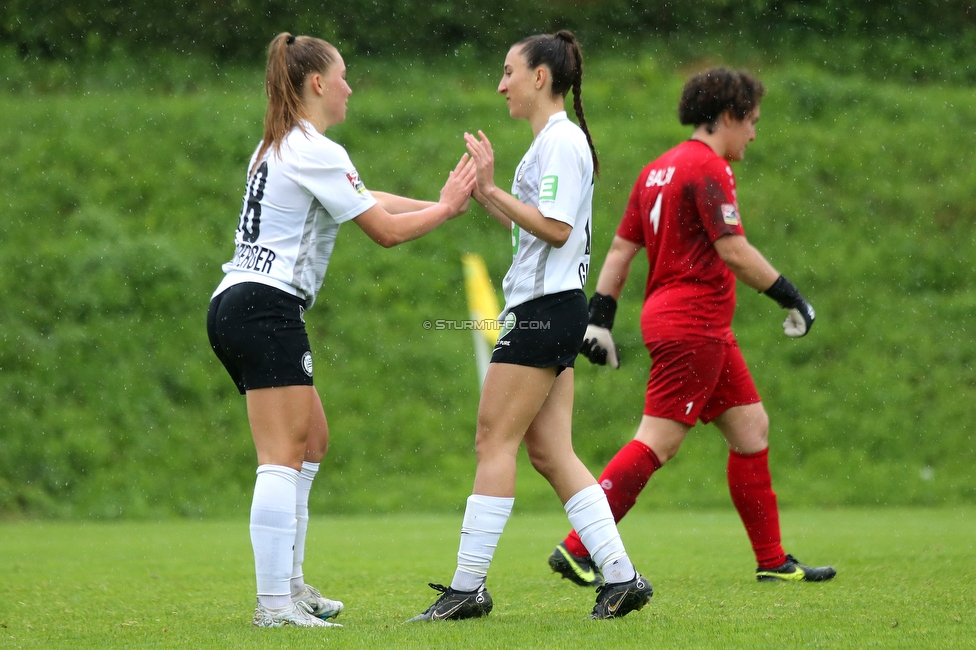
point(906, 578)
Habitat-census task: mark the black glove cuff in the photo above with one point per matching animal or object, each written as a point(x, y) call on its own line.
point(602, 310)
point(784, 293)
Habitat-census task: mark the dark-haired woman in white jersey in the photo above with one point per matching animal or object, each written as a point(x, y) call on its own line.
point(528, 390)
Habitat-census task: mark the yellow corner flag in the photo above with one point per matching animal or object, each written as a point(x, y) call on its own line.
point(483, 307)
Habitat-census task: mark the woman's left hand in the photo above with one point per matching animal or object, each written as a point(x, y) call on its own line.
point(484, 161)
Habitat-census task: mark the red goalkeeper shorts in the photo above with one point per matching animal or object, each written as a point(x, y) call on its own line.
point(697, 379)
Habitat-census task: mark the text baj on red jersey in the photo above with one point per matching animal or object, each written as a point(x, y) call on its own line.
point(680, 204)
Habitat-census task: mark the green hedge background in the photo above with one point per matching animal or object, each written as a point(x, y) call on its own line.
point(910, 40)
point(123, 153)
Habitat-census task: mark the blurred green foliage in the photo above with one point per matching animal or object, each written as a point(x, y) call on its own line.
point(916, 39)
point(121, 197)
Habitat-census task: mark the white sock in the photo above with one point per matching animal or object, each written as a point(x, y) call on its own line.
point(305, 478)
point(589, 513)
point(484, 521)
point(273, 526)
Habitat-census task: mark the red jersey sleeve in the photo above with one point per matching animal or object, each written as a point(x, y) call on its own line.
point(715, 197)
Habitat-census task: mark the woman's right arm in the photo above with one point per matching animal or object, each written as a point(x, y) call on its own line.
point(389, 230)
point(395, 204)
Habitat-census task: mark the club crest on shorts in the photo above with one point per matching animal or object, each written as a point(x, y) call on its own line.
point(307, 363)
point(508, 325)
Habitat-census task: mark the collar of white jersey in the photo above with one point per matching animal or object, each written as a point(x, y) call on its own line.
point(307, 127)
point(553, 119)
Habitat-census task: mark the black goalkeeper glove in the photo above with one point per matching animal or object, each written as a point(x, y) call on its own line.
point(800, 318)
point(598, 344)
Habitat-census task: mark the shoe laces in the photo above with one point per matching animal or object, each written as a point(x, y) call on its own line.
point(436, 587)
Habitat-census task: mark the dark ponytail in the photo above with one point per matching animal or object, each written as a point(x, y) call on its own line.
point(290, 60)
point(560, 52)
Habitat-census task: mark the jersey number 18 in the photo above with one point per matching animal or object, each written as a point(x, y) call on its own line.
point(250, 225)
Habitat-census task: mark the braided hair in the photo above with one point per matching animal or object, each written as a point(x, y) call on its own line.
point(560, 52)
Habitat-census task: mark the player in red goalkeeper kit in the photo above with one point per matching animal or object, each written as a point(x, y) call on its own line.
point(683, 211)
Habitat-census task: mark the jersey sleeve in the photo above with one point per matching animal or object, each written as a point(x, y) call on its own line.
point(333, 180)
point(631, 225)
point(563, 174)
point(717, 204)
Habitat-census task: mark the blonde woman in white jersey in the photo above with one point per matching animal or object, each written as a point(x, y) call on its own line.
point(528, 390)
point(300, 187)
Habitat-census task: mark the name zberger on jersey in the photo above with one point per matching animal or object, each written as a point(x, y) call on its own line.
point(253, 257)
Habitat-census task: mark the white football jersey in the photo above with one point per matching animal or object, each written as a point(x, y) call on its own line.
point(292, 208)
point(555, 176)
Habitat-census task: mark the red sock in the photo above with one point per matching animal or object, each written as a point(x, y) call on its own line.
point(622, 480)
point(751, 488)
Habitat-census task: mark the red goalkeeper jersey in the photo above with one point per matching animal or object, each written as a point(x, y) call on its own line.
point(681, 203)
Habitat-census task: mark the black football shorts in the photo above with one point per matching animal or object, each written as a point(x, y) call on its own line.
point(544, 332)
point(258, 333)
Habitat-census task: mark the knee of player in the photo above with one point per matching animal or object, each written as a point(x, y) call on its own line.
point(755, 438)
point(665, 453)
point(486, 442)
point(541, 462)
point(762, 426)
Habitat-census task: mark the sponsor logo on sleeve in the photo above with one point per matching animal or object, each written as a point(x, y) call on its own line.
point(547, 188)
point(729, 214)
point(355, 181)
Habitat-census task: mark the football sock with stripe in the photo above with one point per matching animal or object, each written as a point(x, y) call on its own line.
point(751, 487)
point(622, 479)
point(484, 520)
point(590, 515)
point(305, 478)
point(273, 526)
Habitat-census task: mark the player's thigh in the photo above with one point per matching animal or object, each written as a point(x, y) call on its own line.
point(734, 387)
point(511, 398)
point(280, 418)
